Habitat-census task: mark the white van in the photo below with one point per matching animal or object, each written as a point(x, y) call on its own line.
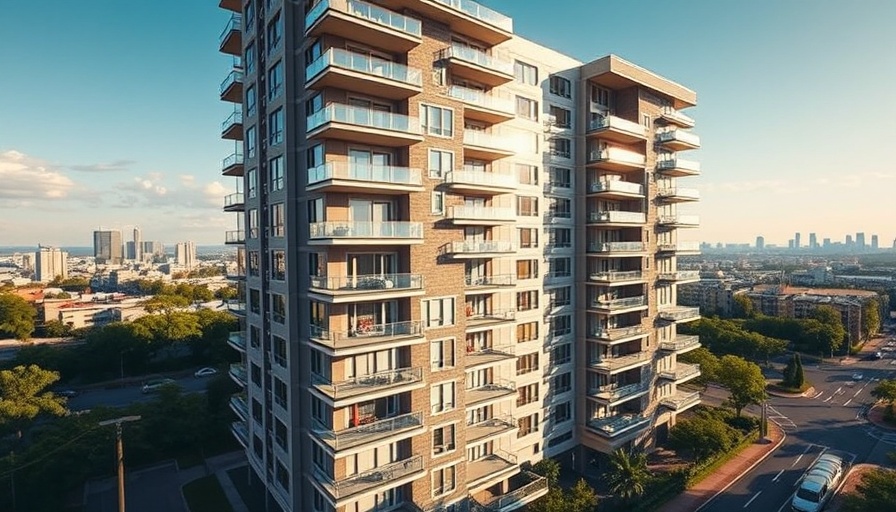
point(818, 484)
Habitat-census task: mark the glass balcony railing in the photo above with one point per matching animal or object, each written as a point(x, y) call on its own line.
point(615, 425)
point(365, 283)
point(615, 276)
point(238, 371)
point(367, 383)
point(234, 200)
point(386, 229)
point(234, 77)
point(684, 220)
point(489, 280)
point(241, 431)
point(374, 478)
point(530, 487)
point(368, 333)
point(482, 99)
point(484, 139)
point(231, 161)
point(359, 116)
point(490, 427)
point(615, 304)
point(234, 24)
point(678, 313)
point(681, 371)
point(480, 247)
point(620, 155)
point(624, 187)
point(681, 400)
point(237, 339)
point(681, 275)
point(615, 392)
point(617, 362)
point(491, 315)
point(238, 403)
point(481, 178)
point(677, 192)
point(619, 333)
point(611, 247)
point(617, 216)
point(673, 162)
point(344, 59)
point(679, 246)
point(477, 57)
point(370, 431)
point(483, 213)
point(232, 120)
point(681, 136)
point(681, 342)
point(480, 12)
point(617, 124)
point(237, 307)
point(235, 236)
point(677, 117)
point(384, 174)
point(368, 12)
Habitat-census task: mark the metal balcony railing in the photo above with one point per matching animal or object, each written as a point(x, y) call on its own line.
point(365, 383)
point(679, 192)
point(377, 282)
point(673, 162)
point(613, 363)
point(624, 303)
point(614, 425)
point(371, 431)
point(611, 247)
point(682, 136)
point(677, 313)
point(480, 247)
point(681, 371)
point(618, 333)
point(681, 342)
point(361, 482)
point(614, 392)
point(681, 275)
point(680, 400)
point(386, 229)
point(491, 280)
point(364, 331)
point(615, 276)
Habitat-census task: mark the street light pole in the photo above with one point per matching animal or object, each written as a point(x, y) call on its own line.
point(119, 453)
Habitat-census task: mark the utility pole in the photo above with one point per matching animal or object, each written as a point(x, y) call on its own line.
point(119, 453)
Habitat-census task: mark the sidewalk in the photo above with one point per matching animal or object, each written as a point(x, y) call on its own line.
point(699, 495)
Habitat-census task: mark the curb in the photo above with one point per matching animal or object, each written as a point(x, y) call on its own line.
point(744, 472)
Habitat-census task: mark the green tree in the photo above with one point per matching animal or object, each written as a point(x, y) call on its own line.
point(16, 316)
point(203, 294)
point(870, 318)
point(799, 378)
point(876, 491)
point(709, 363)
point(744, 381)
point(743, 307)
point(23, 396)
point(628, 475)
point(554, 501)
point(581, 498)
point(548, 468)
point(57, 329)
point(885, 390)
point(831, 335)
point(702, 435)
point(226, 293)
point(789, 371)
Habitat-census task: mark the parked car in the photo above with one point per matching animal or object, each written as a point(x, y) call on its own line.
point(857, 376)
point(818, 484)
point(205, 372)
point(878, 355)
point(154, 385)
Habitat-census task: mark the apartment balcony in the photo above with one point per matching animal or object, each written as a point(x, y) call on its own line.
point(678, 140)
point(477, 319)
point(490, 393)
point(477, 182)
point(675, 117)
point(621, 363)
point(394, 474)
point(364, 22)
point(234, 202)
point(231, 38)
point(617, 218)
point(616, 306)
point(678, 195)
point(490, 429)
point(232, 127)
point(237, 340)
point(365, 337)
point(239, 406)
point(677, 167)
point(367, 386)
point(474, 283)
point(478, 249)
point(237, 307)
point(373, 431)
point(683, 248)
point(525, 487)
point(490, 469)
point(363, 126)
point(366, 233)
point(231, 5)
point(617, 425)
point(681, 344)
point(237, 372)
point(342, 69)
point(235, 237)
point(477, 357)
point(618, 335)
point(617, 129)
point(616, 189)
point(679, 221)
point(232, 165)
point(476, 65)
point(619, 278)
point(616, 159)
point(482, 106)
point(232, 87)
point(617, 249)
point(682, 373)
point(343, 289)
point(679, 314)
point(612, 394)
point(681, 401)
point(680, 276)
point(364, 178)
point(480, 215)
point(241, 432)
point(482, 145)
point(464, 17)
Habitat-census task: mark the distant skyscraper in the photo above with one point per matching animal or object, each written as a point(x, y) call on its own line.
point(874, 242)
point(813, 241)
point(826, 243)
point(849, 241)
point(760, 242)
point(185, 254)
point(138, 245)
point(153, 249)
point(49, 263)
point(107, 247)
point(790, 244)
point(796, 241)
point(860, 241)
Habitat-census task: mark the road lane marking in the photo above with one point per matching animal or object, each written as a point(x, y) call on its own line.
point(828, 399)
point(778, 476)
point(847, 402)
point(753, 498)
point(857, 392)
point(801, 455)
point(818, 394)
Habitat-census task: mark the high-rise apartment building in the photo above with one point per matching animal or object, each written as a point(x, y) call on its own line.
point(796, 241)
point(50, 262)
point(813, 241)
point(185, 254)
point(107, 247)
point(461, 253)
point(138, 245)
point(153, 249)
point(760, 242)
point(860, 241)
point(874, 243)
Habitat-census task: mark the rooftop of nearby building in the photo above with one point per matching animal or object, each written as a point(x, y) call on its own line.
point(618, 73)
point(827, 292)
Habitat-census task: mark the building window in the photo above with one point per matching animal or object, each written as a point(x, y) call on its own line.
point(443, 481)
point(438, 312)
point(561, 354)
point(278, 265)
point(315, 156)
point(527, 174)
point(275, 34)
point(528, 425)
point(527, 269)
point(560, 177)
point(275, 127)
point(561, 117)
point(526, 108)
point(254, 336)
point(443, 440)
point(278, 310)
point(440, 163)
point(559, 237)
point(275, 80)
point(280, 392)
point(560, 208)
point(527, 332)
point(253, 223)
point(555, 441)
point(562, 383)
point(600, 96)
point(252, 184)
point(441, 397)
point(313, 52)
point(251, 100)
point(560, 86)
point(314, 104)
point(560, 297)
point(527, 394)
point(257, 412)
point(258, 447)
point(278, 220)
point(281, 434)
point(442, 353)
point(249, 59)
point(528, 237)
point(562, 412)
point(561, 325)
point(437, 120)
point(527, 363)
point(254, 263)
point(255, 301)
point(279, 351)
point(527, 301)
point(527, 206)
point(255, 374)
point(560, 147)
point(251, 141)
point(525, 73)
point(276, 170)
point(560, 267)
point(438, 202)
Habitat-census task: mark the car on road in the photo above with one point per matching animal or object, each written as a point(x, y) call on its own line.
point(818, 484)
point(154, 385)
point(878, 355)
point(205, 372)
point(857, 376)
point(67, 393)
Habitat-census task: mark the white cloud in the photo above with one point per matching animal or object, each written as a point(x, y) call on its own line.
point(156, 190)
point(24, 179)
point(113, 166)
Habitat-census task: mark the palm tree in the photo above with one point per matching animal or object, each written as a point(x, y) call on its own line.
point(628, 474)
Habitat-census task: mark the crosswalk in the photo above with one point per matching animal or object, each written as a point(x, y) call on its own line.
point(782, 421)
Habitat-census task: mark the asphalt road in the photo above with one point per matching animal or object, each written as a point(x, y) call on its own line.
point(121, 397)
point(830, 420)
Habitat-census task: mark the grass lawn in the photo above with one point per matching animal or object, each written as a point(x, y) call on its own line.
point(206, 495)
point(783, 389)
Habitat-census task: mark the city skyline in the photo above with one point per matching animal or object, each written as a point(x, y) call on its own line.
point(143, 150)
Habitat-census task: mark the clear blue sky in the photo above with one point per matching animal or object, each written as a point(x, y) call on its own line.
point(109, 114)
